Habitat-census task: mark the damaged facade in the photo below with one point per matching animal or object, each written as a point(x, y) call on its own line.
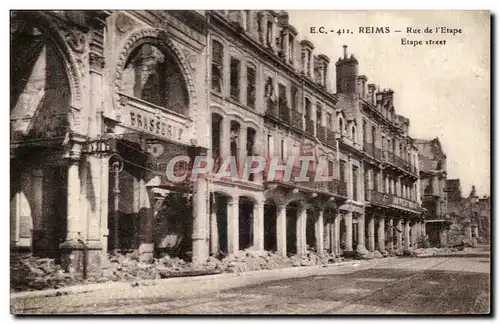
point(102, 100)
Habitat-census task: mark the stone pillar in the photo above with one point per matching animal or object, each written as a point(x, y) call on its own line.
point(200, 220)
point(407, 235)
point(258, 226)
point(72, 255)
point(326, 234)
point(381, 234)
point(242, 148)
point(424, 230)
point(399, 235)
point(301, 229)
point(281, 229)
point(319, 232)
point(336, 233)
point(361, 233)
point(233, 239)
point(147, 222)
point(263, 29)
point(390, 247)
point(214, 230)
point(348, 227)
point(371, 233)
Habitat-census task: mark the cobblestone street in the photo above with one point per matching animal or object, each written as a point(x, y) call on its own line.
point(404, 285)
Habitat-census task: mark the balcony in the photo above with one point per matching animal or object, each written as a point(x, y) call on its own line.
point(348, 141)
point(284, 113)
point(297, 120)
point(405, 203)
point(379, 198)
point(331, 138)
point(399, 162)
point(334, 187)
point(321, 133)
point(309, 126)
point(272, 109)
point(369, 149)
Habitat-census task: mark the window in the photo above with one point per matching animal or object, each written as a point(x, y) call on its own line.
point(342, 171)
point(318, 114)
point(374, 135)
point(291, 52)
point(341, 127)
point(375, 180)
point(251, 79)
point(383, 142)
point(329, 120)
point(309, 55)
point(235, 79)
point(154, 76)
point(269, 145)
point(269, 34)
point(364, 131)
point(330, 168)
point(295, 93)
point(308, 109)
point(217, 65)
point(353, 133)
point(355, 183)
point(282, 95)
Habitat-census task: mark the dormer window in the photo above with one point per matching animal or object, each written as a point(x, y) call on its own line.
point(291, 49)
point(269, 33)
point(353, 133)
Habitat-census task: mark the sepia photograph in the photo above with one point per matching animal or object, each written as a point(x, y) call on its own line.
point(250, 162)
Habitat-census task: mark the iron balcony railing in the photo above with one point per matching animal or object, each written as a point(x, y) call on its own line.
point(379, 198)
point(297, 120)
point(331, 138)
point(309, 127)
point(321, 133)
point(332, 187)
point(389, 200)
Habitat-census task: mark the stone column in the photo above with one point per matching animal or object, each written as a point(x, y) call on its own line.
point(326, 234)
point(214, 230)
point(301, 229)
point(348, 227)
point(233, 238)
point(72, 255)
point(258, 226)
point(336, 233)
point(147, 222)
point(361, 233)
point(399, 234)
point(242, 146)
point(200, 215)
point(281, 229)
point(371, 233)
point(319, 232)
point(391, 235)
point(407, 235)
point(381, 234)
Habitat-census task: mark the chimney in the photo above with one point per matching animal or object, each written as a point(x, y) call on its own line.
point(371, 93)
point(362, 86)
point(347, 73)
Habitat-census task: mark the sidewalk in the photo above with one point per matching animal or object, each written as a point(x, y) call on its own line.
point(260, 275)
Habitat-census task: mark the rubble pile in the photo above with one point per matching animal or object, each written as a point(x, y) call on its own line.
point(32, 273)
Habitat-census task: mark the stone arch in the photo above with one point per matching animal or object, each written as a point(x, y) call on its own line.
point(159, 38)
point(68, 43)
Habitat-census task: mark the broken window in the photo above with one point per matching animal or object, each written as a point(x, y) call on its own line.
point(235, 79)
point(154, 75)
point(251, 79)
point(217, 65)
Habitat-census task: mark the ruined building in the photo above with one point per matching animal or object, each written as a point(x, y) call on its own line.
point(101, 101)
point(433, 190)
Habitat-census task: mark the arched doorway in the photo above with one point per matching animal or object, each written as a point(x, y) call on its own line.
point(270, 217)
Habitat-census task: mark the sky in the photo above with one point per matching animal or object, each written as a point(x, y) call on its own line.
point(443, 89)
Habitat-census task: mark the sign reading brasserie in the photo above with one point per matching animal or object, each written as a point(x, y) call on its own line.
point(157, 124)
